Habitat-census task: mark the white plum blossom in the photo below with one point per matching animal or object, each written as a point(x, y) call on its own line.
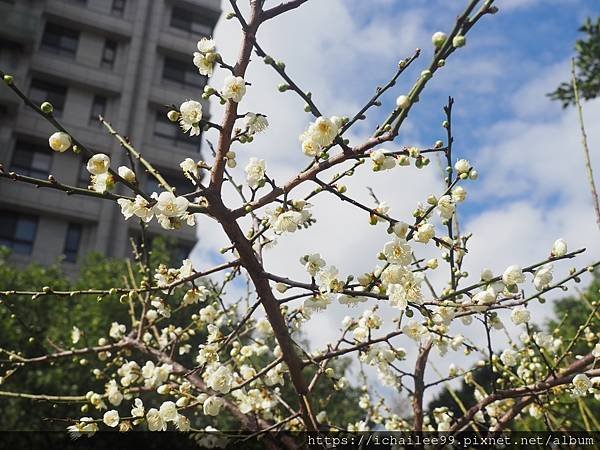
point(402, 101)
point(446, 206)
point(310, 147)
point(398, 252)
point(438, 38)
point(513, 275)
point(486, 274)
point(114, 396)
point(168, 411)
point(190, 169)
point(138, 207)
point(212, 405)
point(559, 248)
point(255, 172)
point(287, 221)
point(484, 297)
point(98, 164)
point(543, 277)
point(195, 295)
point(206, 56)
point(191, 115)
point(415, 330)
point(369, 320)
point(169, 205)
point(520, 315)
point(328, 279)
point(313, 263)
point(381, 161)
point(117, 330)
point(397, 296)
point(138, 408)
point(509, 357)
point(382, 208)
point(86, 425)
point(319, 134)
point(206, 45)
point(425, 233)
point(103, 182)
point(581, 385)
point(234, 88)
point(75, 335)
point(155, 420)
point(219, 378)
point(205, 63)
point(400, 229)
point(459, 194)
point(126, 173)
point(256, 123)
point(111, 418)
point(60, 142)
point(462, 166)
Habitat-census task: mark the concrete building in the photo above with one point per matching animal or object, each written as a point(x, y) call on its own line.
point(125, 59)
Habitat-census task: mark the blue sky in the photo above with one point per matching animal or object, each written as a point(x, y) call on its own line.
point(532, 187)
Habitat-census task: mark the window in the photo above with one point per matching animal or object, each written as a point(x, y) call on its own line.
point(165, 129)
point(196, 22)
point(60, 40)
point(42, 91)
point(72, 241)
point(17, 231)
point(109, 54)
point(98, 109)
point(31, 160)
point(183, 73)
point(118, 7)
point(181, 185)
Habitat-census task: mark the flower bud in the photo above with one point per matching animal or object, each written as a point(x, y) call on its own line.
point(60, 141)
point(438, 39)
point(8, 79)
point(559, 248)
point(47, 107)
point(459, 41)
point(127, 174)
point(402, 102)
point(173, 115)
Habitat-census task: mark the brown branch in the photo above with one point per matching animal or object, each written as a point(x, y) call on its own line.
point(51, 183)
point(50, 118)
point(249, 422)
point(280, 9)
point(528, 392)
point(586, 149)
point(419, 377)
point(239, 70)
point(254, 268)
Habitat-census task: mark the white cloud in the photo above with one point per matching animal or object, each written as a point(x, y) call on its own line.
point(532, 188)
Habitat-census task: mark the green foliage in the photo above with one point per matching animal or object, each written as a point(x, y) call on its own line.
point(42, 326)
point(587, 64)
point(565, 412)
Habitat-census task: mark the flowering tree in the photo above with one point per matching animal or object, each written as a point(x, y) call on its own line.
point(237, 372)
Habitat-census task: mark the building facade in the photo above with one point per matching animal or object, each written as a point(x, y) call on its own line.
point(127, 60)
